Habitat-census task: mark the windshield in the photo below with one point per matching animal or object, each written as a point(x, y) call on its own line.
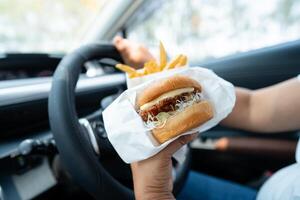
point(211, 29)
point(45, 26)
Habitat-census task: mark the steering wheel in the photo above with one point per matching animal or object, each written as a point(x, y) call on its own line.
point(74, 142)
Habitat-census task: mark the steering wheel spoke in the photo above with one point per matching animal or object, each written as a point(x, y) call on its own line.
point(86, 124)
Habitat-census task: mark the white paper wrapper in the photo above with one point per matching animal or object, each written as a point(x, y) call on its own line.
point(126, 130)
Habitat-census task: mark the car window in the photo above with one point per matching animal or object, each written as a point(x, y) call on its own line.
point(45, 25)
point(206, 29)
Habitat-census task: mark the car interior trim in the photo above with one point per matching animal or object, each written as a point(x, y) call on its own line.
point(21, 92)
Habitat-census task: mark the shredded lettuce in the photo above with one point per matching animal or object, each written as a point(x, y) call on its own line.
point(161, 118)
point(189, 100)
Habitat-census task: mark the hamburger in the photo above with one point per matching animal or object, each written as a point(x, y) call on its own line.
point(173, 106)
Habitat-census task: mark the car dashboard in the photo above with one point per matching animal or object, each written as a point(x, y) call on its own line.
point(27, 147)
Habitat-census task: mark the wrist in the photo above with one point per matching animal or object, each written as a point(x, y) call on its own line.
point(143, 192)
point(156, 195)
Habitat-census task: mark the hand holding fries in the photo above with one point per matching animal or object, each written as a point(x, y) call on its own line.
point(152, 66)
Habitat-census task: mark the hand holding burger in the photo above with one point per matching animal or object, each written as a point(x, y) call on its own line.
point(153, 177)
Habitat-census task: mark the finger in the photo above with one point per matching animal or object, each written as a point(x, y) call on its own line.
point(222, 144)
point(178, 143)
point(133, 165)
point(117, 39)
point(121, 44)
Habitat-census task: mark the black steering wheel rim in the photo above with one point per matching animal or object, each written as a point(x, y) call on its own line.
point(72, 142)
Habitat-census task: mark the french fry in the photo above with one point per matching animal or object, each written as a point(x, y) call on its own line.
point(174, 62)
point(134, 75)
point(138, 73)
point(150, 67)
point(147, 68)
point(144, 72)
point(131, 75)
point(126, 68)
point(163, 56)
point(183, 61)
point(155, 66)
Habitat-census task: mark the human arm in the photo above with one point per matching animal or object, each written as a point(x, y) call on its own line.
point(271, 109)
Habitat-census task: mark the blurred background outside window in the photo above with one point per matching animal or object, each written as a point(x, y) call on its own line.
point(50, 26)
point(205, 29)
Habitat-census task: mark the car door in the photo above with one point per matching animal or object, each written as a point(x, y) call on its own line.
point(244, 44)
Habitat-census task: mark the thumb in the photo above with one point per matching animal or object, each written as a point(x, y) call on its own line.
point(178, 143)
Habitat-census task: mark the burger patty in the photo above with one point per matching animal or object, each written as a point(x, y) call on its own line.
point(165, 105)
